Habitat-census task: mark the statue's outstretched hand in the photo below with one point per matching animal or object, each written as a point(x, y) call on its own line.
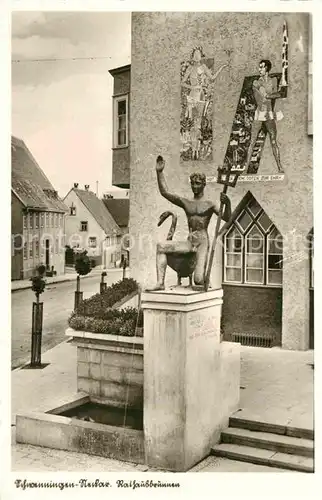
point(160, 164)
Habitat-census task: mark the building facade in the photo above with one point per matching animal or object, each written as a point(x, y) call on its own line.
point(37, 217)
point(89, 226)
point(121, 126)
point(119, 208)
point(213, 90)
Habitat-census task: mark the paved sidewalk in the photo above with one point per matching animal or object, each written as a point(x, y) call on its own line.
point(70, 276)
point(276, 386)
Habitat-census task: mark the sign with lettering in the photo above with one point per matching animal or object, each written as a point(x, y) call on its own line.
point(252, 178)
point(201, 326)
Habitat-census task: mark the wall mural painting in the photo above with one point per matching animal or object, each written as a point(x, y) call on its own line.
point(257, 116)
point(197, 84)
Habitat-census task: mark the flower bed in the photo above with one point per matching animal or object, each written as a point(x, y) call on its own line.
point(101, 314)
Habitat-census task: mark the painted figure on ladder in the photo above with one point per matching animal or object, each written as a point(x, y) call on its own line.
point(256, 115)
point(265, 92)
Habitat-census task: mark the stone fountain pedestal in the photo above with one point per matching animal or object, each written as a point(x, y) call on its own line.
point(191, 378)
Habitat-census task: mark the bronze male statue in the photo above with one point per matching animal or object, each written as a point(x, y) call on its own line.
point(199, 212)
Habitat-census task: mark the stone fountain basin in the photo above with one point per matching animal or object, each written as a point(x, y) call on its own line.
point(105, 435)
point(109, 378)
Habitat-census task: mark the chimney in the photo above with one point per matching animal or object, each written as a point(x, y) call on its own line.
point(75, 185)
point(86, 187)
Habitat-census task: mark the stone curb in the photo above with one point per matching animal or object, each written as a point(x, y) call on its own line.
point(28, 285)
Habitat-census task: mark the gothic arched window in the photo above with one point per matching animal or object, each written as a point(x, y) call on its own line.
point(253, 249)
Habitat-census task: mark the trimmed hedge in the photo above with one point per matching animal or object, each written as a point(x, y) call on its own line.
point(82, 263)
point(95, 314)
point(97, 305)
point(127, 322)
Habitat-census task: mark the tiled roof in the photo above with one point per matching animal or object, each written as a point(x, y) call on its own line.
point(29, 182)
point(98, 211)
point(119, 208)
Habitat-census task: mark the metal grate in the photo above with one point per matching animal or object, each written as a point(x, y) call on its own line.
point(253, 339)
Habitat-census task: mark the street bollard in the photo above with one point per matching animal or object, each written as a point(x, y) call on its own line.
point(124, 268)
point(78, 294)
point(103, 285)
point(36, 333)
point(78, 299)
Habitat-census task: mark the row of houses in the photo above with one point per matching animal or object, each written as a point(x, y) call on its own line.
point(43, 226)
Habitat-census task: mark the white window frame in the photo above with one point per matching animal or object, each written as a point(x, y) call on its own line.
point(37, 248)
point(227, 237)
point(244, 230)
point(116, 100)
point(262, 254)
point(269, 238)
point(81, 226)
point(244, 234)
point(90, 243)
point(42, 247)
point(25, 250)
point(37, 220)
point(31, 222)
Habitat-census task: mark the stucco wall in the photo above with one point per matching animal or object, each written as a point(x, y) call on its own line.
point(252, 310)
point(73, 223)
point(55, 234)
point(160, 41)
point(102, 253)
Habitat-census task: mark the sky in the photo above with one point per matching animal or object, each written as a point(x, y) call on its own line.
point(62, 109)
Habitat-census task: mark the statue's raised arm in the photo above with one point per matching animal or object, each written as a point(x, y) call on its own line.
point(173, 198)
